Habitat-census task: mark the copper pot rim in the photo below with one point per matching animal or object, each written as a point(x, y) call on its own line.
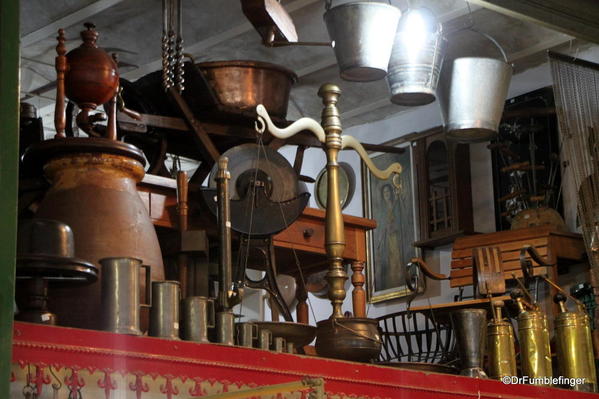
point(248, 64)
point(40, 153)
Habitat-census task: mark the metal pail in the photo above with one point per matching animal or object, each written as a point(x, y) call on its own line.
point(472, 95)
point(416, 59)
point(363, 35)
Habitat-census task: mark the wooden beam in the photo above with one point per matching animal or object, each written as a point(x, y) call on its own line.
point(205, 144)
point(578, 18)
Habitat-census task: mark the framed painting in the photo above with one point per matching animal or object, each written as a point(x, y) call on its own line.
point(390, 244)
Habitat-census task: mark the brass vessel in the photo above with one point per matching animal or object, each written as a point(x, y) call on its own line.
point(574, 346)
point(500, 343)
point(349, 338)
point(533, 336)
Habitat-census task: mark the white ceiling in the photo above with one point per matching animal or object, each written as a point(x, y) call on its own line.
point(218, 30)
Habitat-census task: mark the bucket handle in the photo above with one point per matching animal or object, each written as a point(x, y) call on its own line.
point(327, 4)
point(492, 40)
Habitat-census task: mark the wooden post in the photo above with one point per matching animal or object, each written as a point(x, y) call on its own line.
point(358, 294)
point(60, 118)
point(9, 161)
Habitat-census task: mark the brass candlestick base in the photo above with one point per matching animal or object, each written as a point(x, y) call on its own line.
point(348, 338)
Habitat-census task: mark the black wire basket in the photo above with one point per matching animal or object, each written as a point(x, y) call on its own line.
point(415, 336)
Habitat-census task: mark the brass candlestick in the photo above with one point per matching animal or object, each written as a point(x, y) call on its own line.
point(347, 338)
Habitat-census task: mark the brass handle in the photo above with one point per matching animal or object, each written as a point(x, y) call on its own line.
point(308, 232)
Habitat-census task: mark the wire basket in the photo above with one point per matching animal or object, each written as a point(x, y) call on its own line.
point(410, 336)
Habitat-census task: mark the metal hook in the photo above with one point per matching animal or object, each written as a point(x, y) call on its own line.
point(260, 125)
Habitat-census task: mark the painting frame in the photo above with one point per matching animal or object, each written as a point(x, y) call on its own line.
point(383, 264)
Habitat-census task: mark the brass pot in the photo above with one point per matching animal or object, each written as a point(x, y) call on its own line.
point(94, 192)
point(242, 85)
point(348, 338)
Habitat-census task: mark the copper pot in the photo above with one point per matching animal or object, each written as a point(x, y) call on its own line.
point(94, 191)
point(348, 338)
point(242, 85)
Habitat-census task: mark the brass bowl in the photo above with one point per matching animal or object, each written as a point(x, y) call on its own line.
point(348, 338)
point(297, 333)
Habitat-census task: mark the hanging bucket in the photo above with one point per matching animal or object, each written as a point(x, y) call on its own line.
point(363, 34)
point(416, 59)
point(472, 94)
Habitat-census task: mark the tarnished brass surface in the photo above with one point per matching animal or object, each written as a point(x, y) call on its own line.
point(500, 344)
point(334, 232)
point(501, 352)
point(575, 349)
point(225, 327)
point(164, 315)
point(535, 352)
point(94, 192)
point(348, 338)
point(344, 338)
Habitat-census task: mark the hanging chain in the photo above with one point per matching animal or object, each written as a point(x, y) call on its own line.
point(172, 45)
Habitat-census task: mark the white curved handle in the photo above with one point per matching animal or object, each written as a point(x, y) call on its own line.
point(351, 142)
point(296, 127)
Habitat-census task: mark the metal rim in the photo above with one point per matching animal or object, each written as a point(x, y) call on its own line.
point(38, 154)
point(247, 64)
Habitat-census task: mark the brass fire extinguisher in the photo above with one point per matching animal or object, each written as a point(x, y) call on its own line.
point(500, 341)
point(575, 346)
point(533, 335)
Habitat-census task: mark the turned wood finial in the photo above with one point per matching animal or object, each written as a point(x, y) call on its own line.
point(89, 35)
point(302, 306)
point(60, 119)
point(359, 294)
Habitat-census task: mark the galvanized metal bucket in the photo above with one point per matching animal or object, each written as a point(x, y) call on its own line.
point(472, 94)
point(416, 59)
point(363, 35)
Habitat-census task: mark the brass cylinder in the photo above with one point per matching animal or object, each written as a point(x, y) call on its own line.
point(164, 315)
point(575, 349)
point(535, 352)
point(501, 352)
point(198, 317)
point(265, 339)
point(247, 334)
point(225, 327)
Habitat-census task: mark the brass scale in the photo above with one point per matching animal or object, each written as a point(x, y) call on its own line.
point(263, 202)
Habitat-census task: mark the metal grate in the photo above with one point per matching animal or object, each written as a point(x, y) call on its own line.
point(410, 336)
